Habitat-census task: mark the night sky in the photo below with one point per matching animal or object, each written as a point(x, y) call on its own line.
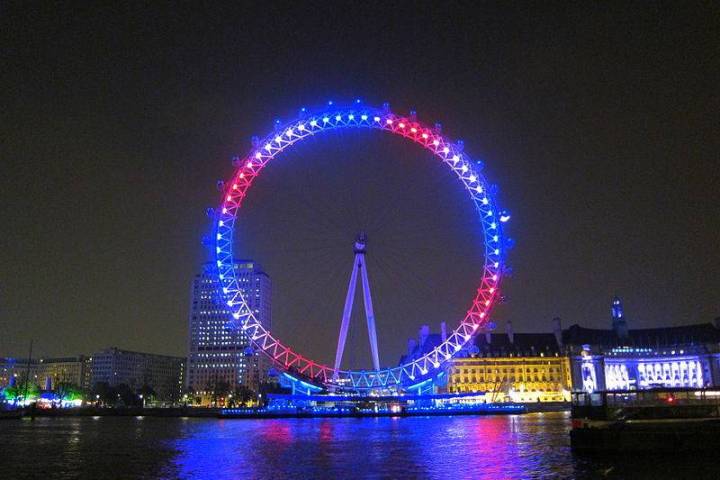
point(599, 124)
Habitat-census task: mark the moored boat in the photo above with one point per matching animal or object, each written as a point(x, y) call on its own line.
point(658, 420)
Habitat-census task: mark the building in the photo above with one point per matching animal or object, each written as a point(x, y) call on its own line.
point(518, 367)
point(219, 353)
point(51, 372)
point(547, 366)
point(13, 370)
point(621, 358)
point(525, 367)
point(163, 373)
point(48, 373)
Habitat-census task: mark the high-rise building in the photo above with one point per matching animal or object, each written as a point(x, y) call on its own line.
point(163, 373)
point(219, 352)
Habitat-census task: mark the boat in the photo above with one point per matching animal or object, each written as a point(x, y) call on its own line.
point(655, 420)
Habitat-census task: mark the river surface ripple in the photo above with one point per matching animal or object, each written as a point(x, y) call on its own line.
point(473, 447)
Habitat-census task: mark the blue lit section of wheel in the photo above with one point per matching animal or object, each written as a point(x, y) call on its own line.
point(383, 120)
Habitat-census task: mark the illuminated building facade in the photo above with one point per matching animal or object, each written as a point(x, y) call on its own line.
point(163, 373)
point(518, 367)
point(625, 359)
point(218, 351)
point(51, 372)
point(546, 367)
point(48, 373)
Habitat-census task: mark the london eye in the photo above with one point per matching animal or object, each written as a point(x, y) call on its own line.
point(469, 178)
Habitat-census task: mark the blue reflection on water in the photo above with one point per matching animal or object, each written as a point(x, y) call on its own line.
point(493, 447)
point(432, 447)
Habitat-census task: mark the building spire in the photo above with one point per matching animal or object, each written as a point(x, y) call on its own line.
point(619, 323)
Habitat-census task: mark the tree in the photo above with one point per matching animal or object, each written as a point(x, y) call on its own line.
point(147, 394)
point(242, 395)
point(217, 388)
point(24, 391)
point(9, 393)
point(69, 392)
point(221, 389)
point(127, 395)
point(105, 393)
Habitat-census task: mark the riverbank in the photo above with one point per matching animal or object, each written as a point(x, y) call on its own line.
point(205, 412)
point(346, 412)
point(172, 412)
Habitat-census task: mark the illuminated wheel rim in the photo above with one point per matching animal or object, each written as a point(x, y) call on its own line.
point(450, 153)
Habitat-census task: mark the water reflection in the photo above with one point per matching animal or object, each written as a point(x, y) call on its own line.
point(494, 447)
point(470, 447)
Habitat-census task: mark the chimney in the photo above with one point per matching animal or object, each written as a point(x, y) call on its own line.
point(411, 346)
point(443, 331)
point(557, 330)
point(509, 331)
point(423, 334)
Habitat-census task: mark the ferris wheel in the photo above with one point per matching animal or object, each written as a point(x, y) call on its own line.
point(469, 177)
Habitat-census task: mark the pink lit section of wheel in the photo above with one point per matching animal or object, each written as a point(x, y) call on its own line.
point(382, 120)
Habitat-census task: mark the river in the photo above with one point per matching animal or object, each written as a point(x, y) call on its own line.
point(533, 446)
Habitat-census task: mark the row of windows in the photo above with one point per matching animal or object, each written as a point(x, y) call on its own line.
point(503, 378)
point(504, 370)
